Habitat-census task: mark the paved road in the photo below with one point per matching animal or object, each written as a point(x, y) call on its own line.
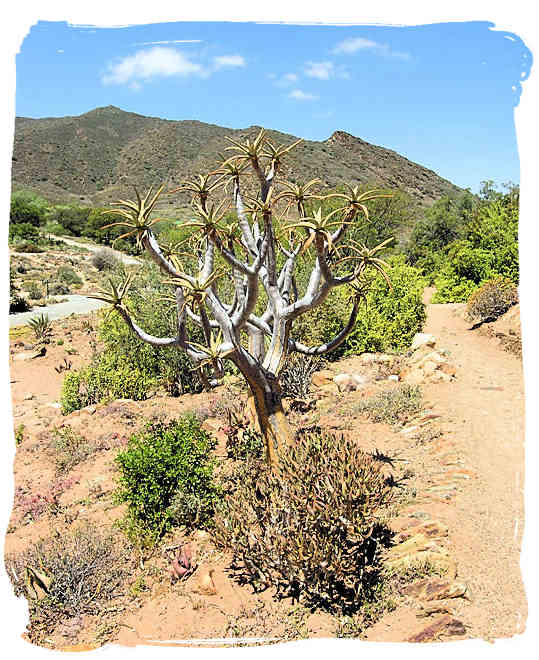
point(75, 304)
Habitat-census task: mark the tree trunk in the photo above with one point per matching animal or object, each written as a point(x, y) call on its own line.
point(265, 402)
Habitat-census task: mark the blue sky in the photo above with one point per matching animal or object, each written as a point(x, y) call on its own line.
point(442, 95)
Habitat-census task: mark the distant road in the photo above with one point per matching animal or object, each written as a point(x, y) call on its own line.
point(124, 258)
point(76, 304)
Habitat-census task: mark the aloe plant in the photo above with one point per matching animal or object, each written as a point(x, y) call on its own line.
point(249, 247)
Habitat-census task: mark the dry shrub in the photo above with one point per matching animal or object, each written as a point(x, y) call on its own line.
point(295, 377)
point(312, 530)
point(67, 575)
point(70, 448)
point(492, 300)
point(392, 406)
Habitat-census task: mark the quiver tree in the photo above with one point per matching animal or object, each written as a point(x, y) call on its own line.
point(258, 253)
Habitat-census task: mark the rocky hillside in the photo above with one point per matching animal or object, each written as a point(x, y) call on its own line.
point(95, 157)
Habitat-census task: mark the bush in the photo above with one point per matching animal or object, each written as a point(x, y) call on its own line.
point(492, 300)
point(165, 476)
point(70, 448)
point(27, 246)
point(67, 275)
point(487, 250)
point(22, 231)
point(33, 291)
point(169, 367)
point(392, 406)
point(387, 321)
point(313, 530)
point(105, 259)
point(59, 289)
point(67, 575)
point(104, 380)
point(295, 377)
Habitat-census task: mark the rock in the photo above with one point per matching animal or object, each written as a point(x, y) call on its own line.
point(428, 367)
point(31, 356)
point(323, 377)
point(429, 589)
point(422, 339)
point(419, 549)
point(370, 359)
point(205, 584)
point(431, 529)
point(349, 382)
point(394, 377)
point(445, 625)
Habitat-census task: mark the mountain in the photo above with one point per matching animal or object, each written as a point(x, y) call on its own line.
point(96, 157)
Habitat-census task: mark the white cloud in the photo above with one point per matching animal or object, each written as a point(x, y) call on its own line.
point(290, 77)
point(353, 45)
point(59, 50)
point(299, 95)
point(173, 41)
point(151, 63)
point(320, 70)
point(227, 61)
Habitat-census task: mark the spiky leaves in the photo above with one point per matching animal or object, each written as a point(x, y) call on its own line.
point(136, 214)
point(355, 201)
point(298, 194)
point(365, 257)
point(115, 294)
point(317, 225)
point(201, 187)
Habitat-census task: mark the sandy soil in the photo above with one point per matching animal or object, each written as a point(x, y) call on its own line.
point(463, 467)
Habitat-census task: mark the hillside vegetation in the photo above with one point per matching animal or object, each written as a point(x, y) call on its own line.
point(93, 158)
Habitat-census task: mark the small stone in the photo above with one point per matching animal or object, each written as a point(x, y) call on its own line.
point(206, 585)
point(446, 625)
point(394, 377)
point(323, 377)
point(346, 382)
point(422, 339)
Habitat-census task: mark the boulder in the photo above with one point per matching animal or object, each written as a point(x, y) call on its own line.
point(429, 589)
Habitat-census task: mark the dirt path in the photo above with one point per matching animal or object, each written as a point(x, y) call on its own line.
point(482, 420)
point(485, 410)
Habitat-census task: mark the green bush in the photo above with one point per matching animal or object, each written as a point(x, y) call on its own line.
point(104, 380)
point(487, 250)
point(22, 231)
point(387, 321)
point(492, 300)
point(169, 367)
point(312, 530)
point(67, 275)
point(165, 476)
point(26, 207)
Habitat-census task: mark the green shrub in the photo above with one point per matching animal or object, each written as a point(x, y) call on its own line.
point(27, 246)
point(487, 250)
point(103, 380)
point(492, 300)
point(68, 275)
point(169, 367)
point(33, 291)
point(22, 231)
point(387, 321)
point(165, 476)
point(42, 327)
point(312, 530)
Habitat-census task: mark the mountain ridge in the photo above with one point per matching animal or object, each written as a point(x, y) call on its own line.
point(95, 157)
